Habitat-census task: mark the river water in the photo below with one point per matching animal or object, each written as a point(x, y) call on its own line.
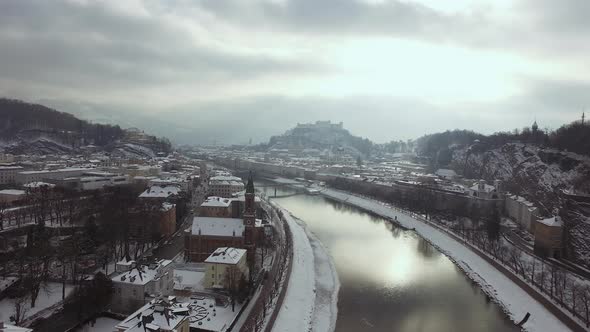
point(391, 279)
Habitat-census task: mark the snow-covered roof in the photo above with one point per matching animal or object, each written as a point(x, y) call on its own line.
point(158, 191)
point(38, 184)
point(161, 315)
point(215, 201)
point(486, 187)
point(10, 168)
point(225, 178)
point(15, 192)
point(226, 255)
point(445, 172)
point(211, 226)
point(554, 221)
point(70, 169)
point(12, 328)
point(143, 274)
point(167, 206)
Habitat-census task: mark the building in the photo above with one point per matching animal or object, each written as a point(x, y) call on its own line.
point(224, 266)
point(548, 237)
point(158, 192)
point(446, 174)
point(225, 186)
point(209, 233)
point(521, 211)
point(133, 288)
point(165, 315)
point(167, 219)
point(11, 328)
point(217, 207)
point(8, 174)
point(484, 191)
point(46, 175)
point(11, 195)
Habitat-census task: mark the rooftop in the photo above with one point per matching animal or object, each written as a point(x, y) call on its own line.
point(143, 274)
point(210, 226)
point(12, 192)
point(554, 221)
point(226, 255)
point(159, 191)
point(215, 201)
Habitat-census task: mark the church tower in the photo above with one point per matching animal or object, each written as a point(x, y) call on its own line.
point(249, 218)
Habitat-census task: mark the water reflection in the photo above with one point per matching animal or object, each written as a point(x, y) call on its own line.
point(391, 279)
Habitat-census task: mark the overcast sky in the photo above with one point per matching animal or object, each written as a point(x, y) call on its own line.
point(228, 70)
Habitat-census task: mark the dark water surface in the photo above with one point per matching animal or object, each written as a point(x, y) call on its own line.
point(391, 279)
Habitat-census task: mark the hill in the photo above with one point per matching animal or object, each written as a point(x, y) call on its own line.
point(322, 135)
point(37, 129)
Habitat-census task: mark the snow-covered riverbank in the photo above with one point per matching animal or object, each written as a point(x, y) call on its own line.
point(514, 300)
point(312, 293)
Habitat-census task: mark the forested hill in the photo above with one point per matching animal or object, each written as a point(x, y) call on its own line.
point(573, 137)
point(34, 128)
point(18, 117)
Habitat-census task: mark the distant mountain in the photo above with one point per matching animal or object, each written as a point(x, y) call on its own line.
point(34, 128)
point(322, 135)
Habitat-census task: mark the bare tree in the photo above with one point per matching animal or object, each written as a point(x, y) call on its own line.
point(20, 309)
point(233, 283)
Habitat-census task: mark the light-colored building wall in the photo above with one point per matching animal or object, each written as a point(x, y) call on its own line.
point(130, 292)
point(521, 211)
point(8, 174)
point(216, 273)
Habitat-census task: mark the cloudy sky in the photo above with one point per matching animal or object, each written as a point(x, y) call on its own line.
point(230, 70)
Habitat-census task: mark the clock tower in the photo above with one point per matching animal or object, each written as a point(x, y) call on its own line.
point(249, 217)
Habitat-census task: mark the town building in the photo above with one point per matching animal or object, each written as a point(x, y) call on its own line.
point(484, 191)
point(133, 288)
point(8, 174)
point(522, 211)
point(12, 328)
point(548, 237)
point(225, 186)
point(46, 175)
point(162, 193)
point(209, 233)
point(164, 315)
point(217, 207)
point(11, 195)
point(225, 265)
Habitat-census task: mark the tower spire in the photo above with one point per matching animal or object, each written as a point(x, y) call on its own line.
point(250, 184)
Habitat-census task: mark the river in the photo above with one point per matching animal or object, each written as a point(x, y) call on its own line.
point(391, 279)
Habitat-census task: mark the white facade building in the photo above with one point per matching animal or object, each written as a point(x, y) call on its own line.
point(133, 288)
point(8, 174)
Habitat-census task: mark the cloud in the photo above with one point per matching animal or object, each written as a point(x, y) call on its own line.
point(92, 45)
point(228, 70)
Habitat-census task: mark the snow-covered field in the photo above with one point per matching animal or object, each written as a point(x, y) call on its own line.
point(514, 300)
point(47, 297)
point(311, 298)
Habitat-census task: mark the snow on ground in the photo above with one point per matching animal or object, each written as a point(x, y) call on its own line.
point(312, 292)
point(102, 324)
point(189, 278)
point(298, 305)
point(7, 282)
point(513, 299)
point(327, 286)
point(48, 296)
